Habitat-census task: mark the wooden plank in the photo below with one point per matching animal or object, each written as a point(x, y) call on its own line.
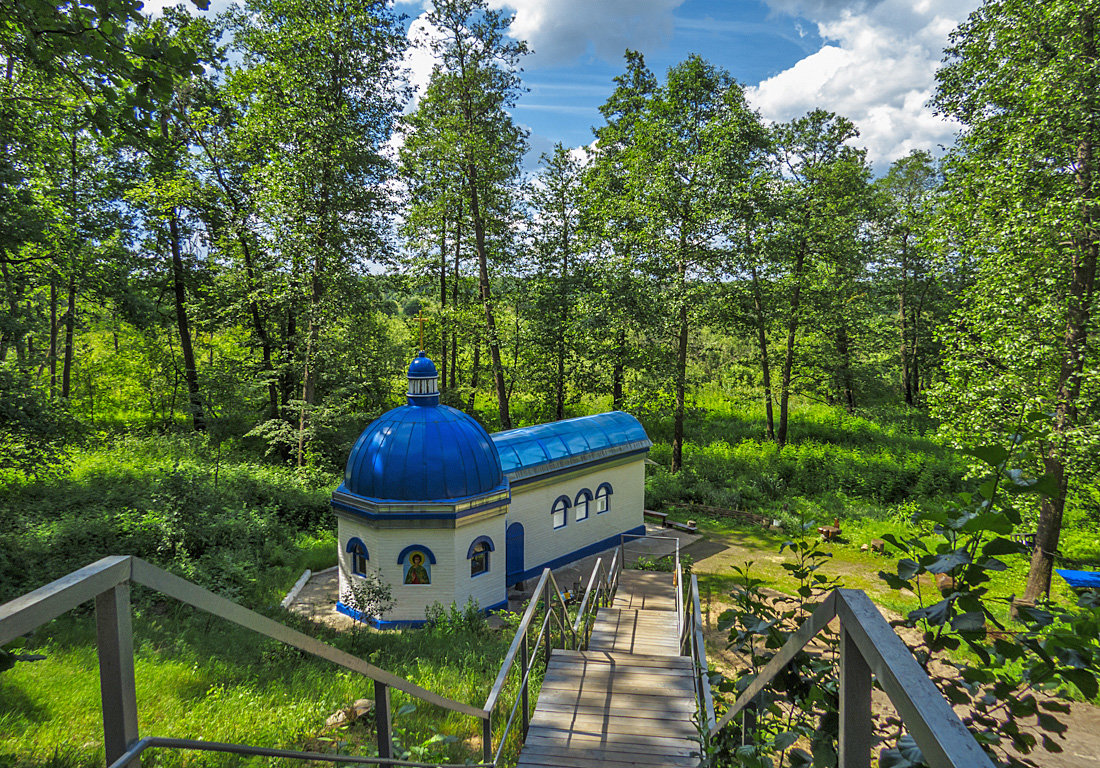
point(602, 667)
point(547, 735)
point(623, 672)
point(627, 659)
point(584, 759)
point(627, 700)
point(601, 724)
point(648, 757)
point(620, 711)
point(612, 687)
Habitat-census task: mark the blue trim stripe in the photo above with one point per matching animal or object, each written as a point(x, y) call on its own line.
point(413, 548)
point(377, 623)
point(517, 483)
point(577, 554)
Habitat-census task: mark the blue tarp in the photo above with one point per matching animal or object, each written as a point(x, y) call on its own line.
point(1080, 579)
point(528, 447)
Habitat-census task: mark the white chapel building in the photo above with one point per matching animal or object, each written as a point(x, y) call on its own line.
point(445, 512)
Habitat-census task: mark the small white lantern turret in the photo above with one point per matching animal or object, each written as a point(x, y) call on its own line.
point(423, 381)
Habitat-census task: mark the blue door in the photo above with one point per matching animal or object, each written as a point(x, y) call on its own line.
point(513, 554)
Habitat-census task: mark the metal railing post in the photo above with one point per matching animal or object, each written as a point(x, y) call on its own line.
point(855, 705)
point(487, 737)
point(549, 629)
point(383, 719)
point(115, 647)
point(523, 664)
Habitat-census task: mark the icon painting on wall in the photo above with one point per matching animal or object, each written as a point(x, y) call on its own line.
point(416, 569)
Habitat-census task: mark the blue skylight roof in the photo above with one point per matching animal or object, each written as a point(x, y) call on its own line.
point(576, 439)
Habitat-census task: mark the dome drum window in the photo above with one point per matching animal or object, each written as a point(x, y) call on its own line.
point(581, 504)
point(478, 555)
point(559, 511)
point(358, 551)
point(603, 498)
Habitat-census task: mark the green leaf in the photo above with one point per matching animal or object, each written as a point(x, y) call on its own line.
point(785, 740)
point(947, 562)
point(993, 455)
point(1085, 680)
point(907, 568)
point(971, 621)
point(1003, 546)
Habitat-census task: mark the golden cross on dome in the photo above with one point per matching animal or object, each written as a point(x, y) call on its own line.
point(420, 317)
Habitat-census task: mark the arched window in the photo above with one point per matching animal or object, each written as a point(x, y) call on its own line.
point(417, 562)
point(559, 510)
point(603, 497)
point(580, 505)
point(358, 551)
point(478, 555)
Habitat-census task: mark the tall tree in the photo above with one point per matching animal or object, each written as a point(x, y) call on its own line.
point(907, 196)
point(472, 87)
point(612, 224)
point(689, 165)
point(319, 100)
point(555, 210)
point(1024, 80)
point(822, 178)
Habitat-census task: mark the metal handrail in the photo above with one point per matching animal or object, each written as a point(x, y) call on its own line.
point(597, 589)
point(696, 642)
point(868, 645)
point(153, 742)
point(108, 581)
point(547, 585)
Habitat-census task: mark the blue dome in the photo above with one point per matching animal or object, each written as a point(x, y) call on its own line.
point(414, 453)
point(422, 367)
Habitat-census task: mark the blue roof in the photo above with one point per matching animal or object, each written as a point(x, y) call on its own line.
point(1080, 579)
point(422, 367)
point(529, 447)
point(413, 453)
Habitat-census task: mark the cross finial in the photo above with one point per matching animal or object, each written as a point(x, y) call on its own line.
point(420, 317)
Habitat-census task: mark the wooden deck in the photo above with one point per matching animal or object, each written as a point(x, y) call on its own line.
point(627, 700)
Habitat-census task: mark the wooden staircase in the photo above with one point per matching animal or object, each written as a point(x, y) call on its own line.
point(629, 699)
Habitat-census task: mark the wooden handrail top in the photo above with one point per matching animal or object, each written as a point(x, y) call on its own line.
point(29, 611)
point(941, 736)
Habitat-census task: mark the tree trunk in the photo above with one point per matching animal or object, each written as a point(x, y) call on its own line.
point(906, 376)
point(843, 350)
point(474, 375)
point(261, 330)
point(70, 324)
point(53, 337)
point(286, 376)
point(563, 320)
point(618, 371)
point(762, 339)
point(681, 365)
point(788, 362)
point(1082, 282)
point(454, 302)
point(443, 301)
point(486, 301)
point(190, 371)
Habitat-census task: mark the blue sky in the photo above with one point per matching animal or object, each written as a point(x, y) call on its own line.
point(872, 61)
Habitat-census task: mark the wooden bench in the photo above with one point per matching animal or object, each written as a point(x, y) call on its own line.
point(662, 516)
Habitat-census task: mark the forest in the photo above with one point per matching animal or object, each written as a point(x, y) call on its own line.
point(224, 237)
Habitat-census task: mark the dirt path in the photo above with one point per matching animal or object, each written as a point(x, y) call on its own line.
point(716, 554)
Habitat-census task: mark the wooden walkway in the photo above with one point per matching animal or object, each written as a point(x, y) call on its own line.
point(627, 700)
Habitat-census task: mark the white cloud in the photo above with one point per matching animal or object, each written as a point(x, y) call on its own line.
point(563, 31)
point(877, 69)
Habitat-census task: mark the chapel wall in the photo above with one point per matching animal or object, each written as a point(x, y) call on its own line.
point(532, 504)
